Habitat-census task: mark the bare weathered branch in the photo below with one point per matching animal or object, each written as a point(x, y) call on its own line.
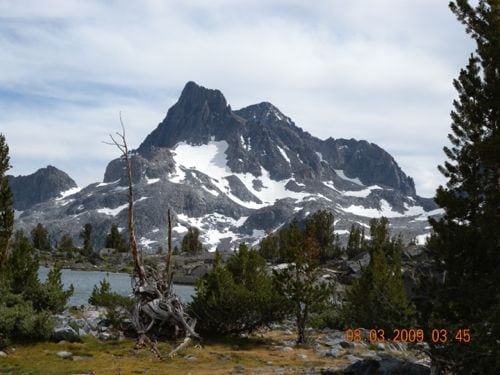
point(168, 261)
point(123, 147)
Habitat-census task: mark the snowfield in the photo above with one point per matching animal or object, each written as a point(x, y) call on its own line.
point(210, 159)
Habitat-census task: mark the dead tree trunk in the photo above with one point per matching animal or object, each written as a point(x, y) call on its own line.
point(122, 146)
point(157, 306)
point(168, 262)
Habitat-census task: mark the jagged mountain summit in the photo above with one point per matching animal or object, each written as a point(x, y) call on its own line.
point(237, 175)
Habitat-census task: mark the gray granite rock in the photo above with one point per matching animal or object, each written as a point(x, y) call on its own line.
point(66, 333)
point(64, 354)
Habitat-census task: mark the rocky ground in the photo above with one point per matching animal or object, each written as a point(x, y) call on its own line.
point(84, 343)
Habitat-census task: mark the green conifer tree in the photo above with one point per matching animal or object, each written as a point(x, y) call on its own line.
point(114, 239)
point(22, 266)
point(299, 283)
point(86, 235)
point(191, 243)
point(465, 246)
point(378, 298)
point(355, 241)
point(40, 238)
point(291, 242)
point(269, 248)
point(238, 297)
point(6, 210)
point(66, 245)
point(319, 227)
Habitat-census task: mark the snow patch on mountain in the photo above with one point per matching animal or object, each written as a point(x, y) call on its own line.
point(341, 231)
point(101, 184)
point(146, 242)
point(112, 211)
point(210, 159)
point(330, 185)
point(68, 193)
point(361, 193)
point(421, 239)
point(215, 193)
point(320, 156)
point(283, 153)
point(342, 175)
point(385, 210)
point(150, 181)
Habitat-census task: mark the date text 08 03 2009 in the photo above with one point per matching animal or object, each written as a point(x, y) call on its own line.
point(408, 335)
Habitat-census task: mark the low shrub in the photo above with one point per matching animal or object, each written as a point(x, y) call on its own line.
point(118, 307)
point(19, 322)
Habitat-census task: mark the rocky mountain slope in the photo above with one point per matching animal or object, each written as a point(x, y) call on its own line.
point(237, 175)
point(44, 184)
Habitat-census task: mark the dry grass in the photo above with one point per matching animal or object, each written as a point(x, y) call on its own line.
point(256, 354)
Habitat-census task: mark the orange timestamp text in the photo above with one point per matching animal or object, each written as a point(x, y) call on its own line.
point(408, 335)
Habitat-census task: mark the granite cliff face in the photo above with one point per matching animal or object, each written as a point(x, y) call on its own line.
point(237, 175)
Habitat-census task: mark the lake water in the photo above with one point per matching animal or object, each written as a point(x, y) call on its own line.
point(84, 281)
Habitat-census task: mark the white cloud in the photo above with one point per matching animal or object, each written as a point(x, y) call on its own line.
point(379, 71)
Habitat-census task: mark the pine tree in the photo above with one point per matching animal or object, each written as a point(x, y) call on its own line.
point(22, 265)
point(465, 246)
point(86, 235)
point(299, 283)
point(40, 238)
point(114, 240)
point(66, 245)
point(191, 243)
point(26, 305)
point(6, 210)
point(378, 298)
point(319, 226)
point(291, 242)
point(238, 297)
point(269, 248)
point(355, 241)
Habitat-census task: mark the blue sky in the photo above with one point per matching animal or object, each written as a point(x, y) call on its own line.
point(380, 71)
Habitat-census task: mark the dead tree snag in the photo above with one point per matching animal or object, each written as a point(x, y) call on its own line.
point(158, 311)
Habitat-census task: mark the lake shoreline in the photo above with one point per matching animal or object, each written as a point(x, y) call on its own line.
point(84, 282)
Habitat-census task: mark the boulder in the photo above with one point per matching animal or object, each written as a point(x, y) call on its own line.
point(386, 366)
point(64, 354)
point(66, 333)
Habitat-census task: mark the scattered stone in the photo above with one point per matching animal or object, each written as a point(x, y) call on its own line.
point(190, 358)
point(302, 356)
point(269, 363)
point(347, 345)
point(369, 354)
point(286, 349)
point(335, 341)
point(3, 354)
point(239, 369)
point(352, 358)
point(64, 354)
point(335, 352)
